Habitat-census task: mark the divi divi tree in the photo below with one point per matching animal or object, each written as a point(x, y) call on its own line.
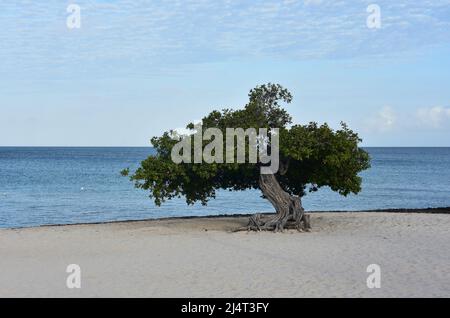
point(310, 157)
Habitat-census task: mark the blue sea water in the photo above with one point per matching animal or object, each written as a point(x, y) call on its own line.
point(75, 185)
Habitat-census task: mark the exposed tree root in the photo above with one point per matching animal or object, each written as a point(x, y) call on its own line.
point(257, 223)
point(289, 211)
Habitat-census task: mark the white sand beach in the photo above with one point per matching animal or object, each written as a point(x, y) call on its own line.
point(200, 257)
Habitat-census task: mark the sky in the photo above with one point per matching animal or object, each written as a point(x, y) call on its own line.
point(132, 69)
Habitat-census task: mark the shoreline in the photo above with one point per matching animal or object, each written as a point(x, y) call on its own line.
point(439, 210)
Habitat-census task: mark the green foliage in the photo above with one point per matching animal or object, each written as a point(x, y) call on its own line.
point(312, 156)
point(319, 156)
point(125, 172)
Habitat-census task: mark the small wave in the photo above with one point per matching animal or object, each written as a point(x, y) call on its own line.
point(90, 189)
point(90, 212)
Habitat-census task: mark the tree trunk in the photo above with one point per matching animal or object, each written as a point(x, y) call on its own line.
point(289, 210)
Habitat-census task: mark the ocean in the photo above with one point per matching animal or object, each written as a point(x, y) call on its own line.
point(41, 185)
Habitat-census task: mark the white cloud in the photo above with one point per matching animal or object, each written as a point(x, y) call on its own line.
point(312, 2)
point(131, 36)
point(184, 130)
point(422, 119)
point(387, 117)
point(384, 120)
point(434, 117)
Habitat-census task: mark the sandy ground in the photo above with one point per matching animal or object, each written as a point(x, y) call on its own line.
point(201, 258)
